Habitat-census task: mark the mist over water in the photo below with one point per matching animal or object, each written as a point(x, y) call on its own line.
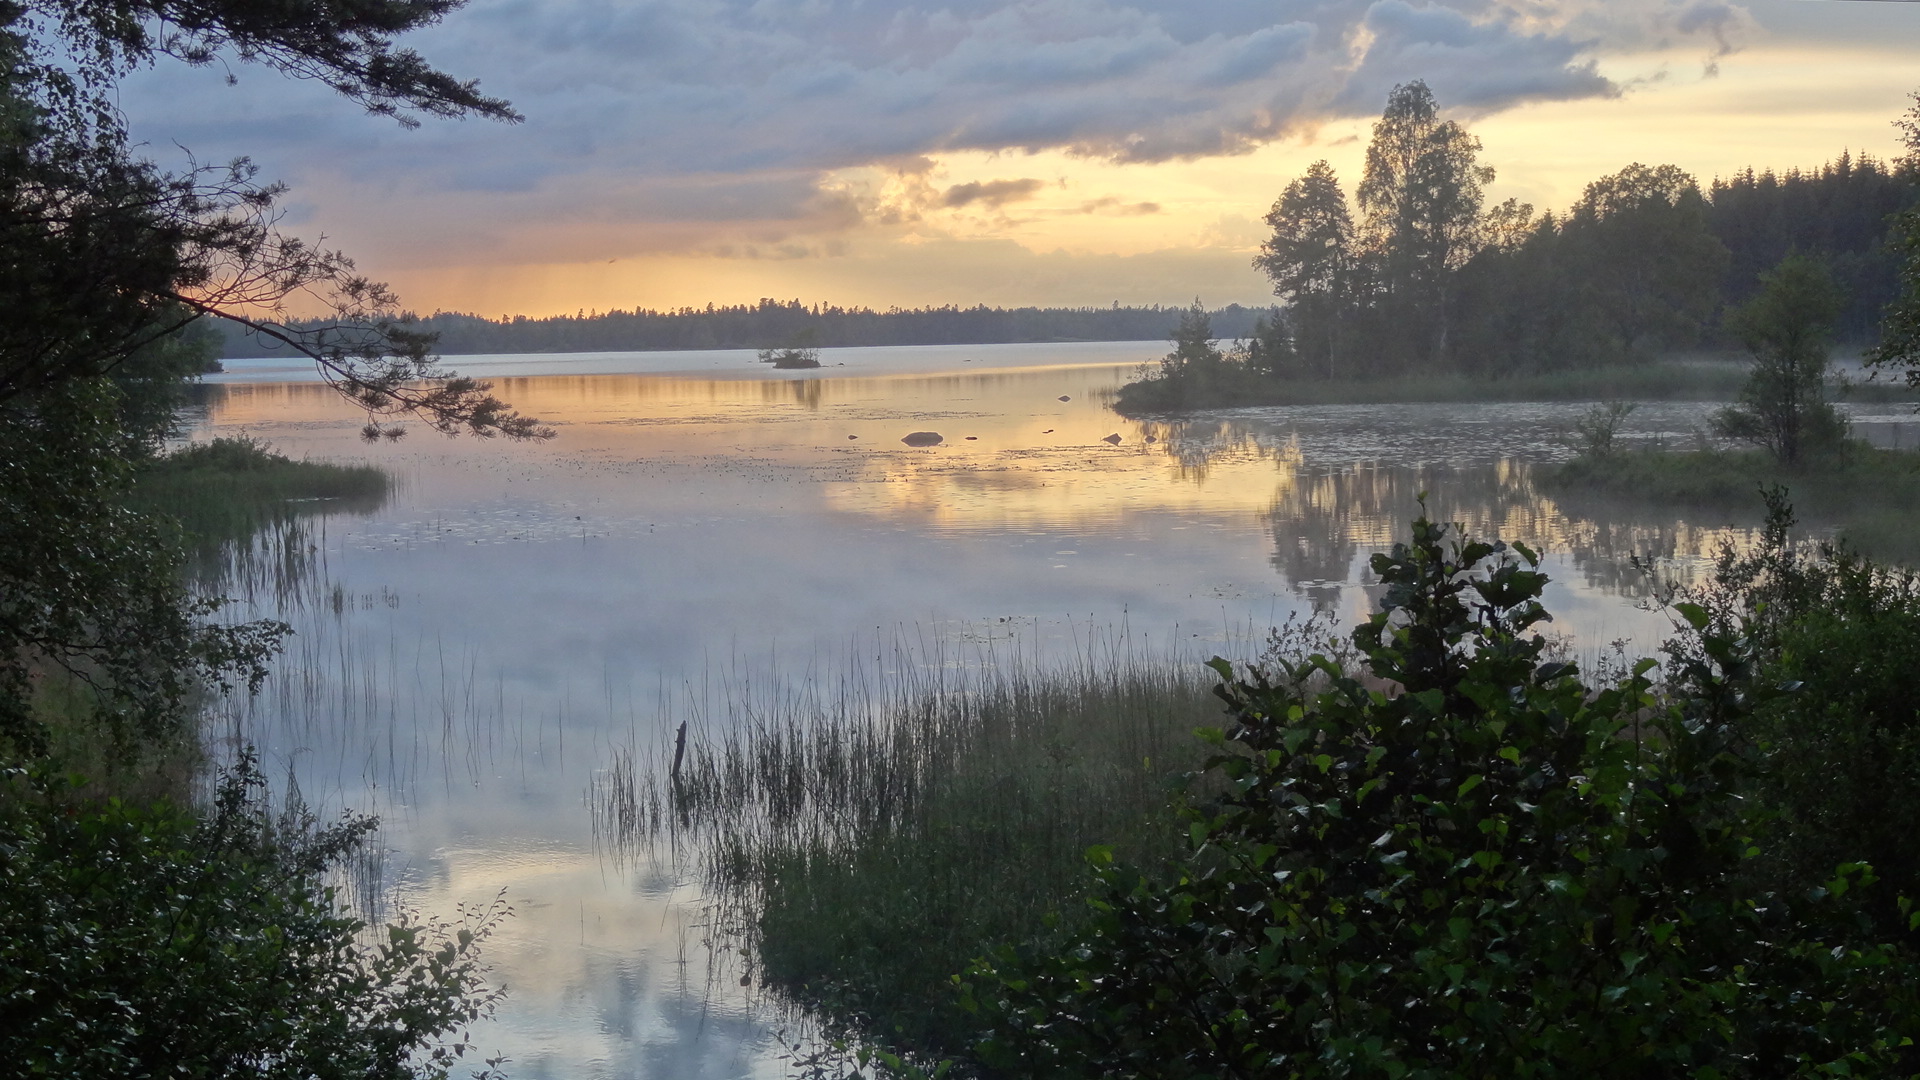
point(707, 538)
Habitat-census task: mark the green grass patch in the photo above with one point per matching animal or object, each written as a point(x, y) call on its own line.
point(1870, 497)
point(229, 489)
point(1671, 380)
point(866, 847)
point(1674, 381)
point(99, 759)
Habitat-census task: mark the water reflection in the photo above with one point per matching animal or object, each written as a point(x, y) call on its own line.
point(471, 654)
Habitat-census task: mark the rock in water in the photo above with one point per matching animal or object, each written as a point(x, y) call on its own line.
point(922, 438)
point(1114, 439)
point(1066, 397)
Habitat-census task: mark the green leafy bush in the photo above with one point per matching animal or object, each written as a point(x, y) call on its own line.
point(1835, 707)
point(1465, 861)
point(140, 941)
point(1787, 328)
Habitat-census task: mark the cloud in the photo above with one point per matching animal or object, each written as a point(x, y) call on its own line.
point(990, 193)
point(1476, 67)
point(711, 86)
point(697, 118)
point(1113, 204)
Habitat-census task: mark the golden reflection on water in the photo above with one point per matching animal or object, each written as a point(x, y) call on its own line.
point(1030, 449)
point(789, 508)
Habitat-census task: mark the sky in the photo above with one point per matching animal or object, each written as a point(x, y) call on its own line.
point(1006, 152)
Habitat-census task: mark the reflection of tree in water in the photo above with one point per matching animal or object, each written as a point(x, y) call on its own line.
point(1328, 517)
point(1199, 443)
point(807, 393)
point(1326, 522)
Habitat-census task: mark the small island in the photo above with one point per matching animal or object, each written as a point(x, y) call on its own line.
point(798, 351)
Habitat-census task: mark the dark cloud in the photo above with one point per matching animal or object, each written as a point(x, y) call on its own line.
point(1113, 204)
point(1477, 67)
point(637, 109)
point(990, 192)
point(704, 86)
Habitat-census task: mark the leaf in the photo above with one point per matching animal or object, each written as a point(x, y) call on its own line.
point(1695, 615)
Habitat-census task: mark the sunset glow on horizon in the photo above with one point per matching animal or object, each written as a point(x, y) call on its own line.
point(1000, 152)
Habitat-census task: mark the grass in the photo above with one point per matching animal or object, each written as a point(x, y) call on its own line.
point(869, 840)
point(240, 507)
point(1870, 497)
point(229, 489)
point(1680, 379)
point(103, 762)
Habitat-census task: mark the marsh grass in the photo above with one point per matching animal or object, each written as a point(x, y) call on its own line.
point(247, 525)
point(1869, 497)
point(863, 840)
point(231, 489)
point(1692, 378)
point(100, 760)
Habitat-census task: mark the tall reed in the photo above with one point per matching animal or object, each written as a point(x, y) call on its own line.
point(863, 839)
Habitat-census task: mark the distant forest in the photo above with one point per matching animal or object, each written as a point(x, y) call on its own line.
point(1418, 273)
point(1669, 244)
point(775, 323)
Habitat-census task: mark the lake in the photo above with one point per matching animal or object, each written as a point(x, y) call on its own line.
point(706, 533)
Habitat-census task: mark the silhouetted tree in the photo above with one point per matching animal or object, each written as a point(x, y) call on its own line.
point(105, 253)
point(1840, 211)
point(1787, 328)
point(1309, 259)
point(1420, 201)
point(1647, 263)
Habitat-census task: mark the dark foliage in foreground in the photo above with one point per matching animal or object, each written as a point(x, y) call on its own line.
point(1835, 711)
point(142, 941)
point(1470, 862)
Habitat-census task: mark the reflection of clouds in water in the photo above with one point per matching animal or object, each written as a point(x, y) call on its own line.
point(515, 611)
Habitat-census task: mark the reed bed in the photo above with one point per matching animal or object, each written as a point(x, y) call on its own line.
point(861, 840)
point(231, 489)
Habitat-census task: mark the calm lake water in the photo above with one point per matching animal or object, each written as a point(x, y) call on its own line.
point(706, 534)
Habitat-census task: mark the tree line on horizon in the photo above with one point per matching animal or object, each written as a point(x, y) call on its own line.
point(1417, 272)
point(1423, 273)
point(774, 323)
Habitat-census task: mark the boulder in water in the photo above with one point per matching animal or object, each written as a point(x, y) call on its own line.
point(922, 438)
point(1114, 439)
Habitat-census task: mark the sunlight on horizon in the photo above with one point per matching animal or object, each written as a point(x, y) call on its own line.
point(1076, 231)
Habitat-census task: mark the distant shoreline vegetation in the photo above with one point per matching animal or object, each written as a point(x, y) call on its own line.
point(773, 323)
point(230, 488)
point(1417, 279)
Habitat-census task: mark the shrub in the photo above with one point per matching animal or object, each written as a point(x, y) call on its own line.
point(1787, 328)
point(1835, 701)
point(142, 941)
point(1472, 863)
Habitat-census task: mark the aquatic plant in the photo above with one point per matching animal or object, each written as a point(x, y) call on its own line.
point(863, 840)
point(229, 488)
